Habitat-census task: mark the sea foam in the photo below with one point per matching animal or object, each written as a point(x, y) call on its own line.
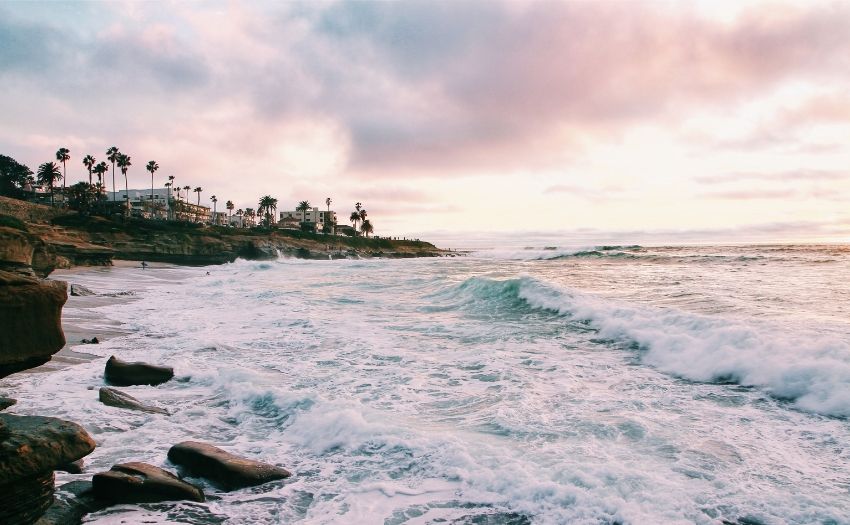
point(810, 369)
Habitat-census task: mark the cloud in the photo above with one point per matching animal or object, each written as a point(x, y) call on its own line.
point(799, 175)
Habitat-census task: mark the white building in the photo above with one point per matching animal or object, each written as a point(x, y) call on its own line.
point(141, 203)
point(314, 217)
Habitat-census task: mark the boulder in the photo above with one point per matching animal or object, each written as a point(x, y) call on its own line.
point(122, 373)
point(75, 467)
point(117, 398)
point(223, 469)
point(142, 483)
point(31, 447)
point(6, 402)
point(73, 501)
point(79, 290)
point(36, 444)
point(30, 321)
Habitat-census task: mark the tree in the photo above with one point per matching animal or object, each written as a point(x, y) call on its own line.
point(354, 218)
point(124, 163)
point(63, 155)
point(83, 197)
point(303, 206)
point(250, 213)
point(198, 190)
point(366, 227)
point(169, 186)
point(112, 155)
point(363, 215)
point(152, 166)
point(48, 173)
point(187, 188)
point(267, 207)
point(214, 200)
point(229, 205)
point(88, 162)
point(13, 177)
point(99, 170)
point(328, 223)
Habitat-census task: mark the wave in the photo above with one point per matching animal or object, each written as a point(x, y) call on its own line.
point(555, 252)
point(812, 370)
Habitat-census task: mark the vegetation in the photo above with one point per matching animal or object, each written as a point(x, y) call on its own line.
point(7, 221)
point(112, 154)
point(88, 162)
point(13, 177)
point(48, 174)
point(63, 155)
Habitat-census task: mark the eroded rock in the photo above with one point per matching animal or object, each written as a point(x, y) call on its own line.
point(73, 501)
point(31, 448)
point(116, 398)
point(30, 321)
point(223, 469)
point(78, 290)
point(6, 402)
point(122, 373)
point(138, 482)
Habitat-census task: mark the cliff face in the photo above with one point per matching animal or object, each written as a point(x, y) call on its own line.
point(30, 321)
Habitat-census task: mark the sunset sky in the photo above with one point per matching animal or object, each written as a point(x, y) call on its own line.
point(731, 117)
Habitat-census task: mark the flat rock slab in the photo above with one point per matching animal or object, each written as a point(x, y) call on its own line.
point(116, 398)
point(79, 290)
point(31, 445)
point(223, 469)
point(142, 483)
point(122, 373)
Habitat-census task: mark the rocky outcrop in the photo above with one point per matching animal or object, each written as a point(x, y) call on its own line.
point(116, 398)
point(78, 290)
point(223, 469)
point(142, 483)
point(122, 373)
point(31, 448)
point(6, 402)
point(30, 321)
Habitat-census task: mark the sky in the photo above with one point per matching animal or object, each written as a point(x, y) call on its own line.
point(726, 118)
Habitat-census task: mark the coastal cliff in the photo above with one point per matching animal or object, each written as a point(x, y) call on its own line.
point(74, 240)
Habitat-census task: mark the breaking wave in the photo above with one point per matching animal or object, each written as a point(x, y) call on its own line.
point(811, 370)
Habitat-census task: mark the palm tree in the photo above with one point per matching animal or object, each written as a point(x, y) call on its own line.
point(124, 163)
point(198, 190)
point(249, 212)
point(354, 218)
point(229, 205)
point(366, 227)
point(362, 215)
point(48, 173)
point(99, 170)
point(152, 167)
point(187, 188)
point(214, 200)
point(63, 155)
point(328, 216)
point(112, 154)
point(267, 207)
point(88, 162)
point(169, 186)
point(303, 206)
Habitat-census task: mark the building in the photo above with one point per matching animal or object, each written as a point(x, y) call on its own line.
point(312, 218)
point(141, 204)
point(188, 212)
point(219, 218)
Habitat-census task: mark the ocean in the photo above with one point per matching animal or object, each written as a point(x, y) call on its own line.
point(544, 384)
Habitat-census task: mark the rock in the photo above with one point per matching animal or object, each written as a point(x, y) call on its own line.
point(92, 341)
point(79, 290)
point(122, 373)
point(36, 444)
point(117, 398)
point(31, 447)
point(73, 501)
point(6, 402)
point(23, 501)
point(30, 321)
point(223, 469)
point(75, 467)
point(142, 483)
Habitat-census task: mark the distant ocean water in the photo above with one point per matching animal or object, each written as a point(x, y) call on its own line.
point(540, 384)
